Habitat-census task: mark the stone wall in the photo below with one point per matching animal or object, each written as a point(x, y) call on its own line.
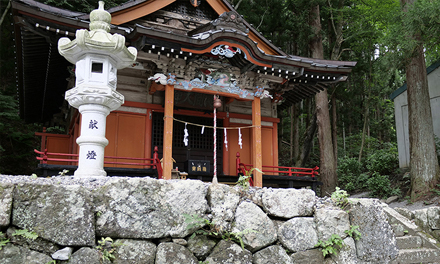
point(428, 219)
point(145, 218)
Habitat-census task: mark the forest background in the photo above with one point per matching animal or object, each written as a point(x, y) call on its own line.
point(376, 33)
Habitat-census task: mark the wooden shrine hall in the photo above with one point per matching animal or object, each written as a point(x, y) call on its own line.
point(189, 53)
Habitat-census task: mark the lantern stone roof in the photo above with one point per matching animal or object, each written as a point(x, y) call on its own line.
point(98, 41)
point(161, 28)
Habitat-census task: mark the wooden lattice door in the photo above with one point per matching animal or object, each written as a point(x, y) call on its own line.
point(200, 146)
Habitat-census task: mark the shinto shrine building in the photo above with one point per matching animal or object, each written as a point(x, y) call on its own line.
point(189, 53)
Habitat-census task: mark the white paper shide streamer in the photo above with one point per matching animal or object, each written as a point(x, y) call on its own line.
point(226, 139)
point(203, 129)
point(240, 141)
point(185, 136)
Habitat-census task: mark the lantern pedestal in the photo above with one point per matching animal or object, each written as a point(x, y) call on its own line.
point(94, 108)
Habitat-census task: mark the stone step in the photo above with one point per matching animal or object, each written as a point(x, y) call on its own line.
point(421, 255)
point(408, 242)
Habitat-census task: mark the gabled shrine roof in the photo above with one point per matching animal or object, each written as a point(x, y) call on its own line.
point(38, 28)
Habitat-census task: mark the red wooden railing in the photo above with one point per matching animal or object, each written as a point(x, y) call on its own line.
point(153, 163)
point(276, 170)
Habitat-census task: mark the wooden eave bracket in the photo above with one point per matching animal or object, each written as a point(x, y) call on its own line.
point(154, 87)
point(228, 100)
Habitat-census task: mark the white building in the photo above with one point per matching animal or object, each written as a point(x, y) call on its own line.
point(400, 99)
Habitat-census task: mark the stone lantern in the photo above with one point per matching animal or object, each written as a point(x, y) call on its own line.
point(97, 55)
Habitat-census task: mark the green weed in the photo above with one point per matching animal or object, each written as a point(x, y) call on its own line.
point(339, 197)
point(25, 233)
point(331, 245)
point(3, 240)
point(208, 228)
point(243, 180)
point(106, 248)
point(63, 172)
point(353, 232)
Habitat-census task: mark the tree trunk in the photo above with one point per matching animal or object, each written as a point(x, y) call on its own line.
point(296, 133)
point(364, 131)
point(280, 131)
point(367, 107)
point(327, 157)
point(423, 158)
point(307, 104)
point(308, 142)
point(335, 129)
point(292, 112)
point(424, 170)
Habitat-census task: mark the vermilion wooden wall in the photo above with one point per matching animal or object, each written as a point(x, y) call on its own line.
point(126, 133)
point(245, 152)
point(58, 144)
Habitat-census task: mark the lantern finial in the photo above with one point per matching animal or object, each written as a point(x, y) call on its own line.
point(100, 19)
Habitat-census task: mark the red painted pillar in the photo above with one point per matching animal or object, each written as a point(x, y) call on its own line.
point(257, 159)
point(168, 132)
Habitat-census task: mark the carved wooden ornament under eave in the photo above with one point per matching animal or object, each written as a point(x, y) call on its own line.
point(227, 20)
point(195, 3)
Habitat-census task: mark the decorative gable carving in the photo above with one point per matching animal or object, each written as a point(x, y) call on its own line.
point(228, 20)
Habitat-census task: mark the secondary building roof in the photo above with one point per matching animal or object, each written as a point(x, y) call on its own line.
point(403, 88)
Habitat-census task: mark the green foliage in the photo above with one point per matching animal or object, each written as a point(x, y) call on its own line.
point(63, 172)
point(16, 138)
point(380, 160)
point(353, 232)
point(331, 246)
point(56, 130)
point(380, 186)
point(3, 240)
point(277, 21)
point(335, 242)
point(81, 5)
point(208, 228)
point(237, 236)
point(25, 233)
point(349, 166)
point(339, 197)
point(420, 19)
point(437, 192)
point(353, 146)
point(52, 262)
point(196, 221)
point(243, 180)
point(106, 248)
point(383, 161)
point(437, 147)
point(350, 174)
